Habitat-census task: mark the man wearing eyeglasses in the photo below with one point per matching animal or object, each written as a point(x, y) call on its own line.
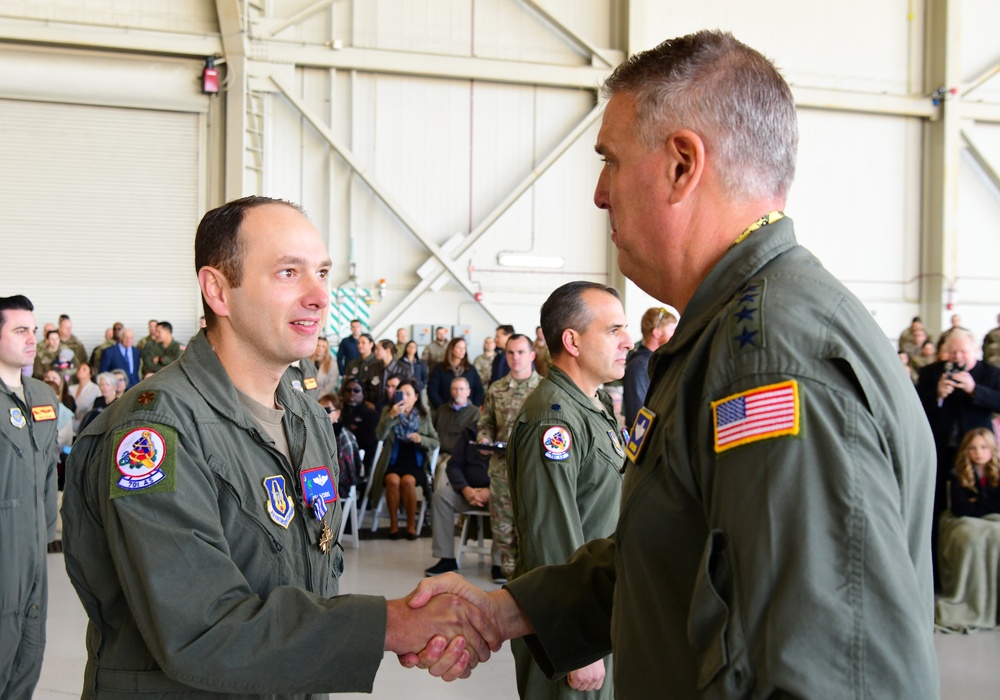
point(657, 327)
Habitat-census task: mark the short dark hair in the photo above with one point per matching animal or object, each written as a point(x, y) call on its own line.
point(518, 336)
point(565, 308)
point(63, 317)
point(51, 332)
point(218, 243)
point(421, 409)
point(18, 302)
point(507, 329)
point(356, 320)
point(167, 325)
point(367, 335)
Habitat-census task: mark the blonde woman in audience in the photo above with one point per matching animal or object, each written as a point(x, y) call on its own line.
point(84, 392)
point(327, 373)
point(970, 538)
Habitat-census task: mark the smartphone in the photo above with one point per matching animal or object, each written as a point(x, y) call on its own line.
point(397, 397)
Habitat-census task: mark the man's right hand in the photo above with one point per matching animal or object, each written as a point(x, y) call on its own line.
point(477, 498)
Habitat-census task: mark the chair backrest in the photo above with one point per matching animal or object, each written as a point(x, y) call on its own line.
point(432, 462)
point(368, 486)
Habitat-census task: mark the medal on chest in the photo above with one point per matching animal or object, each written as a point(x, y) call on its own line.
point(318, 490)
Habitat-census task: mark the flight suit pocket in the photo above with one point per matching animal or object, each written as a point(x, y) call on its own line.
point(714, 630)
point(253, 547)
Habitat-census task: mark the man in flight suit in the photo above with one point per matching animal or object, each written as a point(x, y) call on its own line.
point(200, 512)
point(565, 458)
point(28, 500)
point(774, 533)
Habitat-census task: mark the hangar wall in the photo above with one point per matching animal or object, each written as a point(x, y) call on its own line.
point(432, 140)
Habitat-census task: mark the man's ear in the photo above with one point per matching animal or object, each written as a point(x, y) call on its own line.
point(570, 342)
point(685, 155)
point(215, 290)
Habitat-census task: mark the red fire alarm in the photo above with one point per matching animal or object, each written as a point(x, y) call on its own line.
point(210, 77)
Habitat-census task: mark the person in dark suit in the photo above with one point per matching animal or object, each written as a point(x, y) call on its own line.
point(958, 394)
point(123, 356)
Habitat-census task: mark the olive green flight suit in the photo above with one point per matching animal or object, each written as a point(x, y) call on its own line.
point(562, 496)
point(28, 505)
point(210, 579)
point(797, 565)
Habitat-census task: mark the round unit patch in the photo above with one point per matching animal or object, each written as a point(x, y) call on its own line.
point(138, 457)
point(556, 442)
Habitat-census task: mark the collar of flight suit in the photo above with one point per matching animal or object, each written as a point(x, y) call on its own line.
point(562, 380)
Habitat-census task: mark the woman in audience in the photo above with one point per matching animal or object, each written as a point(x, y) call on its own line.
point(327, 373)
point(454, 364)
point(65, 398)
point(970, 537)
point(84, 392)
point(107, 382)
point(409, 438)
point(417, 367)
point(385, 352)
point(348, 457)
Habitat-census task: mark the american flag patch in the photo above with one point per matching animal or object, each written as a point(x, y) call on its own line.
point(765, 412)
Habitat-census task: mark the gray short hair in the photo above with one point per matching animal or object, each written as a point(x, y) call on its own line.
point(107, 378)
point(729, 94)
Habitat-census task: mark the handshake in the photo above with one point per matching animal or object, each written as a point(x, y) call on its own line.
point(448, 626)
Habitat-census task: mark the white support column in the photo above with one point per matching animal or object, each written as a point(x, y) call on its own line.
point(236, 92)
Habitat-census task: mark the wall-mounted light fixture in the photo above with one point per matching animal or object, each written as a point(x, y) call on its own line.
point(519, 260)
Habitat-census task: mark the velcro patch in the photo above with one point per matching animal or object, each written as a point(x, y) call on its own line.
point(309, 383)
point(556, 442)
point(757, 414)
point(145, 460)
point(40, 413)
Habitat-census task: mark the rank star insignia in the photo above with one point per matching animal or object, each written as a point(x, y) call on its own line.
point(746, 337)
point(325, 539)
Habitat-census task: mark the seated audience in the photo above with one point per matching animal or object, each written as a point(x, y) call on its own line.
point(108, 385)
point(453, 417)
point(388, 396)
point(327, 374)
point(418, 368)
point(65, 398)
point(348, 456)
point(466, 487)
point(969, 556)
point(409, 438)
point(454, 364)
point(484, 363)
point(84, 392)
point(121, 382)
point(360, 419)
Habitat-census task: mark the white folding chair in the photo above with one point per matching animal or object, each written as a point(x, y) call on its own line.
point(349, 506)
point(432, 463)
point(368, 486)
point(480, 547)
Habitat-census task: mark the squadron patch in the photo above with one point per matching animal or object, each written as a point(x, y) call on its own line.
point(318, 482)
point(757, 414)
point(297, 385)
point(144, 460)
point(556, 442)
point(40, 413)
point(17, 418)
point(280, 506)
point(309, 383)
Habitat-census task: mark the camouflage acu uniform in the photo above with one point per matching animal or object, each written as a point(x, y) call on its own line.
point(501, 406)
point(484, 366)
point(991, 347)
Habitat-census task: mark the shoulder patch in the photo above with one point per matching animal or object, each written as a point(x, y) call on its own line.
point(756, 414)
point(309, 383)
point(745, 327)
point(556, 442)
point(145, 460)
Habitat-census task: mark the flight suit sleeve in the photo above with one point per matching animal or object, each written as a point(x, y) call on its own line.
point(807, 533)
point(198, 614)
point(543, 485)
point(569, 606)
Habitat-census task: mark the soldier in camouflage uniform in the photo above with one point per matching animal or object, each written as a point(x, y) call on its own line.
point(502, 404)
point(991, 345)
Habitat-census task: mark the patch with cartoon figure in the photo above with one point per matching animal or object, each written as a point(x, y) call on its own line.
point(556, 442)
point(144, 461)
point(280, 506)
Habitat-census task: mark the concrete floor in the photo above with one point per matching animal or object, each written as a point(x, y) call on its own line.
point(970, 664)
